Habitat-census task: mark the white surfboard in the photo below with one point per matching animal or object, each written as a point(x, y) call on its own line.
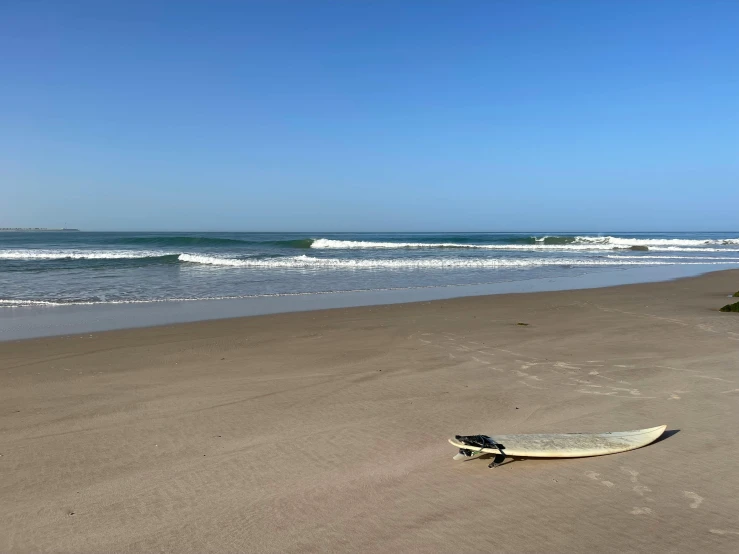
point(565, 445)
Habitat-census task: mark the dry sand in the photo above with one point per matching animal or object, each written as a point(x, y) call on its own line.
point(326, 431)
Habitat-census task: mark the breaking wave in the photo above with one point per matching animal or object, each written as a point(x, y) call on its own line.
point(82, 254)
point(624, 241)
point(308, 262)
point(582, 243)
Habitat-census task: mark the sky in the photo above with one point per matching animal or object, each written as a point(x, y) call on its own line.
point(428, 115)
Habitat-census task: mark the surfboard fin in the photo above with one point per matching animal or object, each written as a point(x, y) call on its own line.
point(465, 454)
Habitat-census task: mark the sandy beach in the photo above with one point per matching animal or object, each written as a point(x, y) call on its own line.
point(325, 431)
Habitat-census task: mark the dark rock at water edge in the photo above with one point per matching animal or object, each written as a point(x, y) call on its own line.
point(730, 307)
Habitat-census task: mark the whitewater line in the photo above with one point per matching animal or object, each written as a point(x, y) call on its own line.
point(298, 262)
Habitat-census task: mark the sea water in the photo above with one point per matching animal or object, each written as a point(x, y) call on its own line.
point(61, 268)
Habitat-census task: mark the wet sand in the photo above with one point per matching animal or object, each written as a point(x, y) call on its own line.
point(326, 431)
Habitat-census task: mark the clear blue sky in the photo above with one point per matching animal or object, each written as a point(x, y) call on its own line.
point(370, 115)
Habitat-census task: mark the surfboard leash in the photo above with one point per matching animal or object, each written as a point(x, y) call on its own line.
point(483, 441)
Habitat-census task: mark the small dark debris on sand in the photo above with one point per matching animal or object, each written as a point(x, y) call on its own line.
point(730, 307)
point(524, 324)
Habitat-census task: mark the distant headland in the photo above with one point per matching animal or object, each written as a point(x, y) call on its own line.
point(33, 229)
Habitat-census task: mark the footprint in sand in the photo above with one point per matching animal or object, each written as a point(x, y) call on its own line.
point(595, 373)
point(632, 473)
point(563, 365)
point(697, 500)
point(596, 477)
point(527, 375)
point(632, 392)
point(641, 490)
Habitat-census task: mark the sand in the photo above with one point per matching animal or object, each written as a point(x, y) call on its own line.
point(326, 431)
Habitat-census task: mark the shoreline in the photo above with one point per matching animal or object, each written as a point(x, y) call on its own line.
point(326, 430)
point(27, 322)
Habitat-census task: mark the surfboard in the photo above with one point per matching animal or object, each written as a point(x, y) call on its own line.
point(563, 445)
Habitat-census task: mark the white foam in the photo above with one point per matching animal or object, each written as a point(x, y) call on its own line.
point(353, 244)
point(625, 241)
point(360, 244)
point(668, 257)
point(308, 262)
point(580, 244)
point(28, 254)
point(21, 303)
point(689, 249)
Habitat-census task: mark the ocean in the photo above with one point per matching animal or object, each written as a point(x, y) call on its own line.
point(62, 268)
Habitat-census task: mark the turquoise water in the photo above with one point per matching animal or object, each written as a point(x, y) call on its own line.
point(58, 268)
